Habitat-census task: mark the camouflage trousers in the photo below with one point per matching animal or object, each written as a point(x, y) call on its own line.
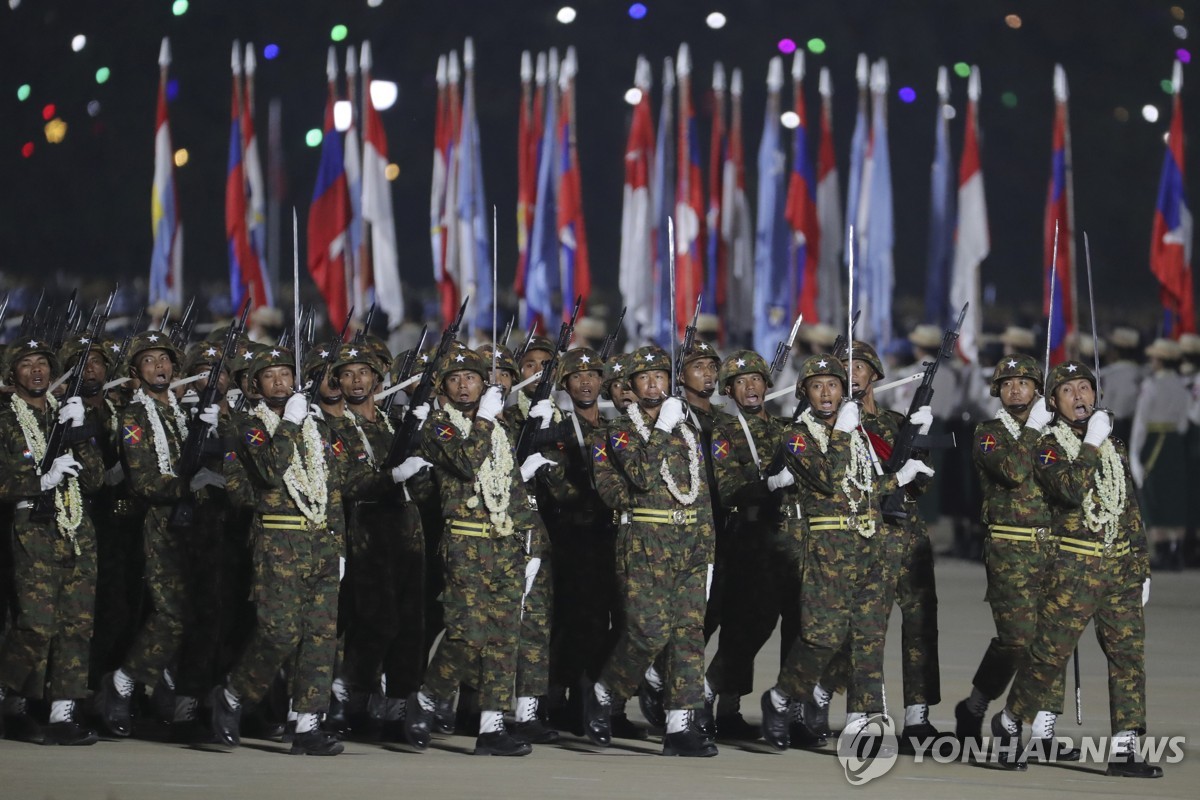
point(46, 648)
point(159, 639)
point(587, 608)
point(763, 589)
point(484, 580)
point(537, 608)
point(1108, 592)
point(296, 605)
point(383, 597)
point(846, 582)
point(916, 595)
point(1017, 576)
point(662, 572)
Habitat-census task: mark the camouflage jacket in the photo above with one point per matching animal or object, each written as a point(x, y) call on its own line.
point(19, 478)
point(611, 484)
point(233, 468)
point(709, 421)
point(1011, 496)
point(146, 478)
point(740, 481)
point(819, 475)
point(576, 492)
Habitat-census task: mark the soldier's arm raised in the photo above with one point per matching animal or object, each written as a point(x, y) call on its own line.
point(1065, 482)
point(267, 457)
point(820, 472)
point(1000, 458)
point(447, 449)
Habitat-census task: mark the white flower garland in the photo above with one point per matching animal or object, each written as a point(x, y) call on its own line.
point(524, 404)
point(817, 429)
point(162, 449)
point(1102, 507)
point(1010, 423)
point(68, 505)
point(858, 473)
point(688, 497)
point(494, 479)
point(114, 419)
point(306, 477)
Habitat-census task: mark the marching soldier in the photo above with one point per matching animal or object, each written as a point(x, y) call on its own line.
point(54, 569)
point(488, 526)
point(664, 560)
point(1101, 573)
point(1020, 551)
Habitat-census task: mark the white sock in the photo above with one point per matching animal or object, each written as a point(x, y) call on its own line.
point(491, 721)
point(340, 690)
point(678, 719)
point(778, 700)
point(61, 711)
point(728, 705)
point(306, 722)
point(654, 679)
point(854, 721)
point(292, 716)
point(1124, 743)
point(427, 702)
point(977, 704)
point(916, 714)
point(185, 708)
point(526, 709)
point(1043, 725)
point(602, 694)
point(168, 678)
point(821, 696)
point(709, 694)
point(232, 699)
point(124, 683)
point(1010, 724)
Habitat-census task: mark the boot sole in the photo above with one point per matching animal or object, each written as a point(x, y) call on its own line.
point(520, 751)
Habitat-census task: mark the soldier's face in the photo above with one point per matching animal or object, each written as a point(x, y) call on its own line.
point(32, 375)
point(94, 372)
point(862, 375)
point(1075, 400)
point(358, 382)
point(824, 394)
point(276, 384)
point(531, 365)
point(1017, 393)
point(155, 369)
point(748, 391)
point(650, 386)
point(622, 396)
point(700, 376)
point(504, 379)
point(584, 387)
point(463, 387)
point(248, 386)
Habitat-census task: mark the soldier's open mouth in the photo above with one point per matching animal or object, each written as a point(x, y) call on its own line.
point(1081, 411)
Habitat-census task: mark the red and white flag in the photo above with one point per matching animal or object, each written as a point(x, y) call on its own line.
point(971, 240)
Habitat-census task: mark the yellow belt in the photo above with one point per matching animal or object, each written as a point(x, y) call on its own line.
point(664, 516)
point(283, 522)
point(1094, 549)
point(482, 530)
point(1013, 534)
point(839, 523)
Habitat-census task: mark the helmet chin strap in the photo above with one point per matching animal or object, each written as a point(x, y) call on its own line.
point(705, 393)
point(1018, 409)
point(276, 402)
point(356, 401)
point(752, 410)
point(583, 403)
point(646, 402)
point(465, 408)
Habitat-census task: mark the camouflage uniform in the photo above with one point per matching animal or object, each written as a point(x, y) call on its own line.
point(1090, 581)
point(54, 572)
point(664, 556)
point(296, 561)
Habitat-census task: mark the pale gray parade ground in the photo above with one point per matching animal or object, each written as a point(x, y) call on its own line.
point(145, 770)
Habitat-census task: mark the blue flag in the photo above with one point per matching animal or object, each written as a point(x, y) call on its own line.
point(774, 284)
point(542, 276)
point(943, 191)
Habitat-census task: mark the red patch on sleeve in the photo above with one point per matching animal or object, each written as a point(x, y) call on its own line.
point(797, 444)
point(1047, 457)
point(256, 437)
point(720, 449)
point(131, 434)
point(600, 453)
point(445, 432)
point(620, 441)
point(987, 443)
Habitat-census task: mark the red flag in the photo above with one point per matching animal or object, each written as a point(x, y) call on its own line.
point(1059, 207)
point(689, 201)
point(575, 269)
point(245, 273)
point(329, 214)
point(1171, 237)
point(801, 209)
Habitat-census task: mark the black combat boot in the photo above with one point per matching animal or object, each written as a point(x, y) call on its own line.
point(418, 723)
point(597, 719)
point(226, 720)
point(114, 708)
point(1006, 740)
point(501, 743)
point(316, 743)
point(775, 723)
point(816, 717)
point(967, 726)
point(650, 701)
point(689, 742)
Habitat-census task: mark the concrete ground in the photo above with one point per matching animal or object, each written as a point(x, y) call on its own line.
point(137, 770)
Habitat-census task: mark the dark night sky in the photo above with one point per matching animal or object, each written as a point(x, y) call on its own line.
point(82, 207)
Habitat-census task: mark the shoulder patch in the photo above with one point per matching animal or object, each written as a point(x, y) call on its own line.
point(987, 443)
point(256, 437)
point(337, 447)
point(1047, 457)
point(131, 434)
point(797, 444)
point(600, 453)
point(620, 440)
point(231, 455)
point(445, 431)
point(27, 454)
point(720, 449)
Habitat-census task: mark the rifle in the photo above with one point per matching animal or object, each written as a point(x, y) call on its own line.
point(405, 367)
point(29, 319)
point(56, 442)
point(686, 346)
point(610, 341)
point(60, 329)
point(504, 337)
point(545, 384)
point(360, 335)
point(784, 348)
point(520, 354)
point(181, 331)
point(183, 514)
point(3, 311)
point(166, 317)
point(331, 356)
point(909, 438)
point(406, 438)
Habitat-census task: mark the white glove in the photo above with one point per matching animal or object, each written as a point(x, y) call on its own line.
point(1098, 429)
point(910, 470)
point(114, 475)
point(543, 410)
point(421, 412)
point(491, 404)
point(923, 416)
point(670, 415)
point(211, 415)
point(206, 477)
point(409, 467)
point(1138, 470)
point(296, 409)
point(532, 464)
point(781, 479)
point(847, 418)
point(71, 411)
point(1040, 415)
point(1145, 591)
point(532, 566)
point(61, 467)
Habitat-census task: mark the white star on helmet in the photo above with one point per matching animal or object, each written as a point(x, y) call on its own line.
point(822, 363)
point(616, 367)
point(324, 354)
point(152, 337)
point(353, 352)
point(84, 340)
point(585, 359)
point(1071, 367)
point(649, 357)
point(212, 351)
point(1012, 363)
point(116, 348)
point(458, 359)
point(741, 362)
point(31, 343)
point(703, 346)
point(247, 356)
point(274, 354)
